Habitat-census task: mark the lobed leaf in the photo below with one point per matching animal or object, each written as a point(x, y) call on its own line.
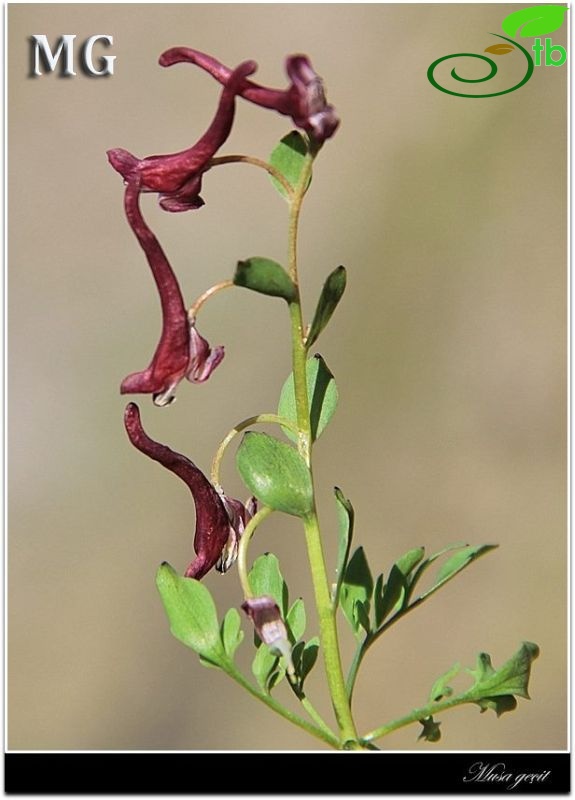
point(440, 688)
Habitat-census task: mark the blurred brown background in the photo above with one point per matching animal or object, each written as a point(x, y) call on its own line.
point(449, 350)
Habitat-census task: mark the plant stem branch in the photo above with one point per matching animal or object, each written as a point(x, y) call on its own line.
point(322, 733)
point(193, 310)
point(241, 426)
point(431, 709)
point(250, 528)
point(255, 162)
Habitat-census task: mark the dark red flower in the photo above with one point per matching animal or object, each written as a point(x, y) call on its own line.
point(181, 352)
point(177, 176)
point(304, 100)
point(213, 524)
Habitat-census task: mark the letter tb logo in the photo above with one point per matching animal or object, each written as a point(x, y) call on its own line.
point(42, 56)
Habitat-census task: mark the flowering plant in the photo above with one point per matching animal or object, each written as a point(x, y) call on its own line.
point(278, 472)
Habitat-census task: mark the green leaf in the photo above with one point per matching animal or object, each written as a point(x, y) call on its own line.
point(456, 563)
point(498, 704)
point(264, 667)
point(264, 276)
point(191, 612)
point(440, 688)
point(430, 732)
point(394, 594)
point(467, 559)
point(510, 679)
point(265, 578)
point(330, 296)
point(304, 657)
point(408, 561)
point(288, 157)
point(322, 397)
point(357, 587)
point(231, 632)
point(296, 620)
point(275, 473)
point(346, 516)
point(534, 21)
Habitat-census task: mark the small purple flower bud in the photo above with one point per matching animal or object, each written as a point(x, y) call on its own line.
point(203, 360)
point(270, 627)
point(304, 100)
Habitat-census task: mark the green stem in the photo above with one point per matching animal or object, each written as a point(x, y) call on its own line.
point(431, 709)
point(355, 665)
point(322, 733)
point(262, 514)
point(327, 622)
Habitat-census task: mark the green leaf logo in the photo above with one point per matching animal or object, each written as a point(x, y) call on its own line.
point(534, 21)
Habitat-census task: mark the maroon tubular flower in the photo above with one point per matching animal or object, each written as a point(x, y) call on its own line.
point(177, 176)
point(203, 360)
point(304, 100)
point(171, 359)
point(213, 525)
point(270, 627)
point(181, 351)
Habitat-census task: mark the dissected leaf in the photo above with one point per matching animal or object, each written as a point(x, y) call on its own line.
point(329, 298)
point(275, 473)
point(231, 632)
point(499, 49)
point(288, 158)
point(345, 515)
point(534, 21)
point(510, 679)
point(498, 704)
point(430, 732)
point(265, 578)
point(357, 586)
point(322, 397)
point(191, 612)
point(440, 688)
